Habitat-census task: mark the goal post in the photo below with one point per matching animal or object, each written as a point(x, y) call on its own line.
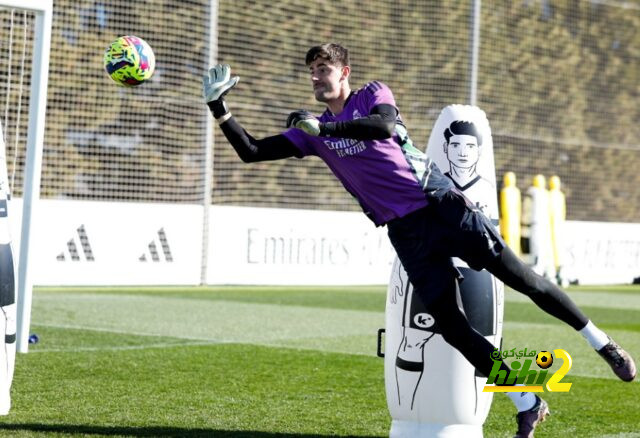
point(42, 11)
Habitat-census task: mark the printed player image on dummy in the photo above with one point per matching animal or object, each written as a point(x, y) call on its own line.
point(432, 390)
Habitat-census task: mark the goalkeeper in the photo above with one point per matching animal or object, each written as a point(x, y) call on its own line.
point(361, 137)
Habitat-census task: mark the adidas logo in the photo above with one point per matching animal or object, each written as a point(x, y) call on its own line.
point(153, 249)
point(81, 241)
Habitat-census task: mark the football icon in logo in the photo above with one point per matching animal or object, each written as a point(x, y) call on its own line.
point(544, 359)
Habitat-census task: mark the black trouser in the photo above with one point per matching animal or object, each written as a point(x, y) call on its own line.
point(457, 331)
point(426, 240)
point(512, 271)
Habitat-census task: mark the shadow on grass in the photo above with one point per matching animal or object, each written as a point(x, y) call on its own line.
point(84, 430)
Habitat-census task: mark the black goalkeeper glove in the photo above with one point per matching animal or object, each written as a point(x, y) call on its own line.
point(305, 121)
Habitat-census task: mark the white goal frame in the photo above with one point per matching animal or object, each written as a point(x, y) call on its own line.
point(43, 11)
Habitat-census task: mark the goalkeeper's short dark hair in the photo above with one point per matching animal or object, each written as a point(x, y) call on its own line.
point(332, 52)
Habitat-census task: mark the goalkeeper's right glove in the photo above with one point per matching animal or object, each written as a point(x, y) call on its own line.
point(215, 85)
point(305, 121)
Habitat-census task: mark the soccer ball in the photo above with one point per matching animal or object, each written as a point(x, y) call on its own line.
point(544, 359)
point(129, 61)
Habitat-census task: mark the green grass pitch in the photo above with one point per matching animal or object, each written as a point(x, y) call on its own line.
point(274, 362)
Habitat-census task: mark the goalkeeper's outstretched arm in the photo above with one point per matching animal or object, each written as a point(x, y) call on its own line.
point(215, 85)
point(251, 150)
point(379, 124)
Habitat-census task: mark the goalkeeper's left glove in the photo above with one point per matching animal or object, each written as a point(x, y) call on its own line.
point(305, 121)
point(215, 85)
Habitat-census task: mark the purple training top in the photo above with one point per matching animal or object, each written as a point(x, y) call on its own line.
point(376, 172)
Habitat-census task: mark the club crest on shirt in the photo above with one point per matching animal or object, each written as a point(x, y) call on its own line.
point(356, 114)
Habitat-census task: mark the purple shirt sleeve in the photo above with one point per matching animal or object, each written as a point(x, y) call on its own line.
point(299, 139)
point(377, 93)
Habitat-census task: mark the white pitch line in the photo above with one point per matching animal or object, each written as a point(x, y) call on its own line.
point(122, 348)
point(189, 344)
point(623, 435)
point(203, 319)
point(126, 332)
point(209, 342)
point(191, 341)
